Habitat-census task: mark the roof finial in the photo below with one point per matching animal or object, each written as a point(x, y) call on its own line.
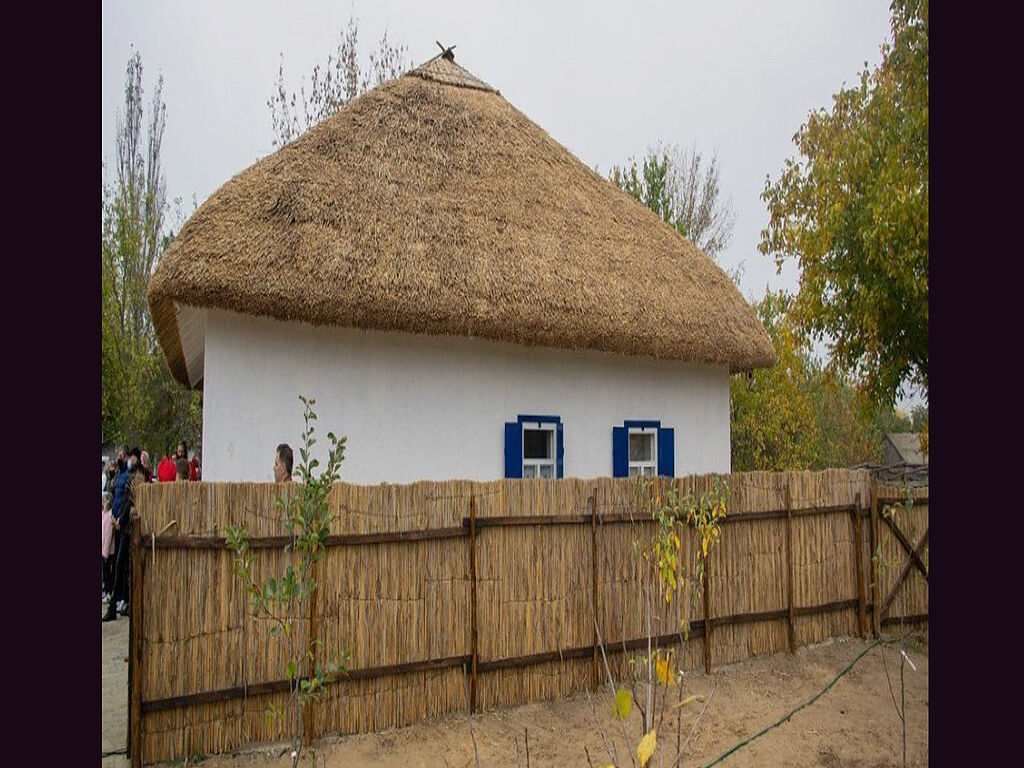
point(446, 53)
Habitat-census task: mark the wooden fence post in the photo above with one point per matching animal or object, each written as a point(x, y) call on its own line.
point(473, 624)
point(135, 647)
point(592, 501)
point(876, 609)
point(789, 563)
point(859, 571)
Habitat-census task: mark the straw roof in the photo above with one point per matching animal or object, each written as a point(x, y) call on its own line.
point(431, 205)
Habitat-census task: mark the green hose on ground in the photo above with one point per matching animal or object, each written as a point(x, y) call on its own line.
point(784, 718)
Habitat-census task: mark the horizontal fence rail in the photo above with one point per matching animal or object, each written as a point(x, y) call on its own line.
point(578, 652)
point(515, 602)
point(280, 542)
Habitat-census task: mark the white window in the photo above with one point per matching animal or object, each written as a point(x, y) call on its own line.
point(643, 451)
point(538, 449)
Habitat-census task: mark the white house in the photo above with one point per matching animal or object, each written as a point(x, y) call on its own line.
point(460, 294)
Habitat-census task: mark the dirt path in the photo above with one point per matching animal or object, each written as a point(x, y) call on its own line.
point(114, 668)
point(854, 724)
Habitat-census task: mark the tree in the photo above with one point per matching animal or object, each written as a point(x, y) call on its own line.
point(333, 86)
point(919, 418)
point(772, 417)
point(141, 403)
point(853, 212)
point(678, 185)
point(798, 414)
point(305, 509)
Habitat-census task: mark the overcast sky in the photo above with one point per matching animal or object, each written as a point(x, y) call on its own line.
point(605, 79)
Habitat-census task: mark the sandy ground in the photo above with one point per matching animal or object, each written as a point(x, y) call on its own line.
point(114, 668)
point(854, 724)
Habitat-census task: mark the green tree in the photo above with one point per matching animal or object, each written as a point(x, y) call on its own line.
point(853, 212)
point(685, 190)
point(846, 435)
point(919, 418)
point(141, 403)
point(798, 414)
point(772, 419)
point(332, 86)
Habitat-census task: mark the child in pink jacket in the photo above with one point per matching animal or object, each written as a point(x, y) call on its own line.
point(107, 542)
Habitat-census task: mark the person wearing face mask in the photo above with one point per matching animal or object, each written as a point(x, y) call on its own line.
point(120, 479)
point(123, 505)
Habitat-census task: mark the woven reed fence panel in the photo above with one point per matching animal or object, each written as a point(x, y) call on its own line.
point(403, 602)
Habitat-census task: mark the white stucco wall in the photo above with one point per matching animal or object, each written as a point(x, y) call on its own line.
point(422, 407)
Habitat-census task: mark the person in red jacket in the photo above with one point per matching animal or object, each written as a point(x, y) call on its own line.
point(165, 471)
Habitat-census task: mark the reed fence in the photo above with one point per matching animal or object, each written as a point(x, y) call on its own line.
point(465, 595)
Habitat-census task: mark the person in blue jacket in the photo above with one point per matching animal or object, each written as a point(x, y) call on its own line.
point(122, 504)
point(119, 481)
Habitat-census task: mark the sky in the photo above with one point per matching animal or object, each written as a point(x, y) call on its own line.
point(605, 79)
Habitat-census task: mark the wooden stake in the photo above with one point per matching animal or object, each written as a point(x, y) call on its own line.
point(789, 563)
point(593, 583)
point(857, 556)
point(473, 624)
point(311, 645)
point(876, 609)
point(707, 616)
point(135, 647)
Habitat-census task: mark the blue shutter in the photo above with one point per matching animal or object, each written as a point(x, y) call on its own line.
point(513, 449)
point(620, 452)
point(560, 451)
point(667, 452)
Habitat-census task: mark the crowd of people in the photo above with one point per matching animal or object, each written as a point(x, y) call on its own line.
point(120, 479)
point(121, 476)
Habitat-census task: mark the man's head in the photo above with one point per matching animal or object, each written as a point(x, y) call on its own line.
point(134, 458)
point(181, 468)
point(283, 463)
point(144, 459)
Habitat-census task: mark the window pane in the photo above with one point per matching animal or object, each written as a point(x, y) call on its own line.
point(648, 471)
point(546, 470)
point(537, 443)
point(641, 447)
point(529, 471)
point(634, 471)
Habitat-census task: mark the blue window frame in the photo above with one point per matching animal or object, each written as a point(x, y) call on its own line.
point(534, 446)
point(643, 447)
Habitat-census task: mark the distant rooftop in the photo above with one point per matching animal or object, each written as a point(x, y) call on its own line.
point(908, 446)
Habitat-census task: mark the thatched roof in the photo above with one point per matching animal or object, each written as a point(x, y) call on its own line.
point(431, 205)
